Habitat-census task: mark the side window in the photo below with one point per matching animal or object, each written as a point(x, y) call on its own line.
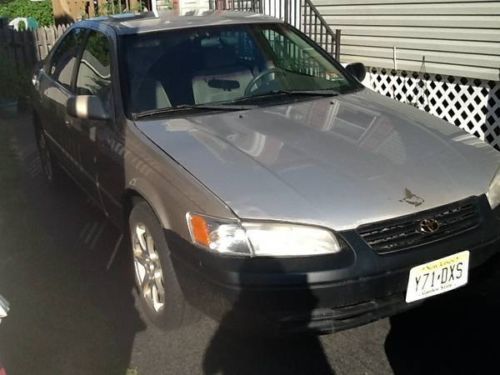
point(64, 57)
point(94, 72)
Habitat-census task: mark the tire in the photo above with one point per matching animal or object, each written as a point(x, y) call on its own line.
point(50, 168)
point(160, 297)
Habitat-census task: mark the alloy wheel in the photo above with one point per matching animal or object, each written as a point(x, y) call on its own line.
point(147, 266)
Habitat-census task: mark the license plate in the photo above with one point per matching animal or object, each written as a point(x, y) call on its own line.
point(439, 276)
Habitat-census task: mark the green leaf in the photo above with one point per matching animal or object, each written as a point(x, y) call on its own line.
point(39, 10)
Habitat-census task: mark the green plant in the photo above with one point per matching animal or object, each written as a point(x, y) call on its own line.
point(113, 7)
point(15, 81)
point(39, 10)
point(21, 26)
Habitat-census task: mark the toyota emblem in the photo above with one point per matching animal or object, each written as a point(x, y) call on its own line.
point(428, 226)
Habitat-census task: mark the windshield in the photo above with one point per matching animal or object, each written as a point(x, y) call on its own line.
point(221, 65)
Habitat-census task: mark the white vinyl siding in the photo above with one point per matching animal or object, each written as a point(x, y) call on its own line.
point(456, 37)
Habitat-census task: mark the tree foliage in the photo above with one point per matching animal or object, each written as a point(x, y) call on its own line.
point(39, 10)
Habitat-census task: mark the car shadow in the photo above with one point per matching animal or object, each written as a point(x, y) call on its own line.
point(72, 311)
point(453, 334)
point(239, 348)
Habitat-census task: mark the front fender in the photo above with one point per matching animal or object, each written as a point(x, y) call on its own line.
point(144, 189)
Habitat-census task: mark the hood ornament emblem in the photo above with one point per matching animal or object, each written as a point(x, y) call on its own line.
point(412, 199)
point(428, 226)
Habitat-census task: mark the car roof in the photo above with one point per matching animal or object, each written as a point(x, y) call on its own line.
point(137, 23)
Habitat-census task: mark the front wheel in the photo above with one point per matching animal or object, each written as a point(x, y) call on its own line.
point(160, 295)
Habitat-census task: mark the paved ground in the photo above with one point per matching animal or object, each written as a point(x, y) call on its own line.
point(71, 315)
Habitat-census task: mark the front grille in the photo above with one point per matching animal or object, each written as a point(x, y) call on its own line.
point(402, 233)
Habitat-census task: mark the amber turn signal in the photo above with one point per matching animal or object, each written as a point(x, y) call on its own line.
point(199, 230)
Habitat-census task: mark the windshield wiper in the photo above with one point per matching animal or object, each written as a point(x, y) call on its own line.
point(325, 92)
point(194, 107)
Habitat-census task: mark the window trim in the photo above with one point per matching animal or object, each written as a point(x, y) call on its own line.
point(78, 59)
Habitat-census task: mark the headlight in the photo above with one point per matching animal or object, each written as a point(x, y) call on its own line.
point(260, 239)
point(493, 193)
point(290, 240)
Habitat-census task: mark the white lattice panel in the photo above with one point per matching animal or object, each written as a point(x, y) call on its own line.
point(471, 104)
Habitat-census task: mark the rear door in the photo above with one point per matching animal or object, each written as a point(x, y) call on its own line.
point(55, 87)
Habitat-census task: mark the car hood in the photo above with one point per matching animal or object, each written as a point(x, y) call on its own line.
point(336, 162)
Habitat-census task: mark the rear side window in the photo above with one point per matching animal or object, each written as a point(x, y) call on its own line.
point(63, 60)
point(94, 72)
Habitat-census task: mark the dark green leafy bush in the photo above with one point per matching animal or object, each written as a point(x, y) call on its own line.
point(39, 10)
point(14, 81)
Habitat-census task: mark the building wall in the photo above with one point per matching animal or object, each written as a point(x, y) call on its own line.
point(453, 37)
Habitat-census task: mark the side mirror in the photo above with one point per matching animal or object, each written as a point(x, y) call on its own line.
point(86, 107)
point(358, 70)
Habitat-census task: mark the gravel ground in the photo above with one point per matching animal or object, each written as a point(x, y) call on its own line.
point(70, 314)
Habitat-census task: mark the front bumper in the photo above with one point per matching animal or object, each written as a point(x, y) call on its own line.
point(319, 294)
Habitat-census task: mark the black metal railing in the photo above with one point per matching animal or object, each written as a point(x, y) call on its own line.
point(238, 5)
point(315, 26)
point(301, 14)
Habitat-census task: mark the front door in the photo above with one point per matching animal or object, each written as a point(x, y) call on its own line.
point(56, 87)
point(93, 78)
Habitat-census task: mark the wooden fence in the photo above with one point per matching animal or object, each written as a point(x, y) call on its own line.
point(25, 48)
